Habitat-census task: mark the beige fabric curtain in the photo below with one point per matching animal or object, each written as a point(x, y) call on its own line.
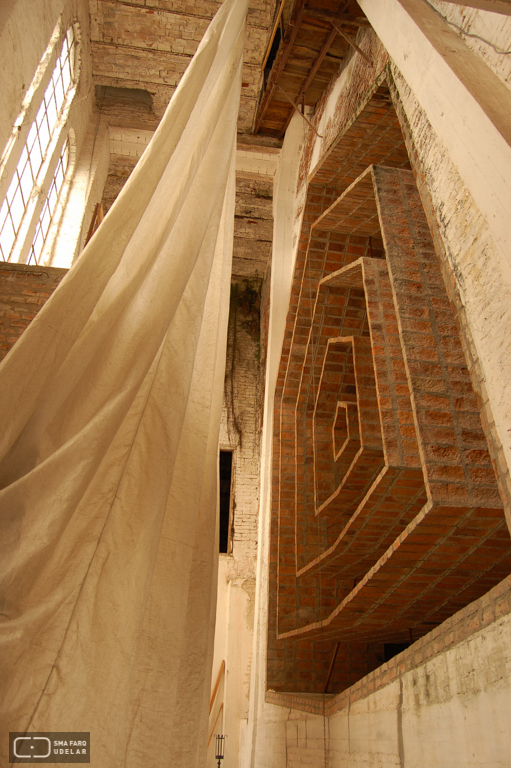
point(109, 411)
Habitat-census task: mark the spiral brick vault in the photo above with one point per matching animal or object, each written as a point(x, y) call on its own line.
point(386, 514)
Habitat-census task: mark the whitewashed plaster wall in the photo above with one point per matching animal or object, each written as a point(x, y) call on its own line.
point(85, 191)
point(494, 27)
point(25, 31)
point(24, 37)
point(233, 645)
point(241, 433)
point(452, 712)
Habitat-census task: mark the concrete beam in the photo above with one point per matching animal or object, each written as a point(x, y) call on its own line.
point(495, 6)
point(468, 106)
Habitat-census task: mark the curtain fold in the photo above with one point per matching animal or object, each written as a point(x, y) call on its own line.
point(110, 408)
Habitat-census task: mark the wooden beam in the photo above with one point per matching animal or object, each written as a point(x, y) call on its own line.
point(495, 6)
point(265, 103)
point(215, 689)
point(351, 42)
point(216, 721)
point(310, 77)
point(331, 669)
point(297, 108)
point(339, 18)
point(97, 217)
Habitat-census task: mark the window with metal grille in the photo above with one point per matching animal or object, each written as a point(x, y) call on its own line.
point(26, 182)
point(48, 210)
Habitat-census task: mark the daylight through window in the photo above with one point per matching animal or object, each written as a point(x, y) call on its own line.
point(33, 155)
point(50, 204)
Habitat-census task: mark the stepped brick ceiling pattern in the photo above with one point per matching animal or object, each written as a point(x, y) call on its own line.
point(385, 513)
point(381, 443)
point(374, 138)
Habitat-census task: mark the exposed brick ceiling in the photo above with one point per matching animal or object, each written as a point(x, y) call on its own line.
point(147, 45)
point(374, 138)
point(144, 47)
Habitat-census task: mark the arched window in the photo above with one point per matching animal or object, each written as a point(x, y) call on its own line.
point(31, 201)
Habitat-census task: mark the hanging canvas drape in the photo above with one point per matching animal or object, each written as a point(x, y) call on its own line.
point(109, 411)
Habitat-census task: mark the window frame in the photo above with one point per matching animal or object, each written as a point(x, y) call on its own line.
point(37, 95)
point(51, 206)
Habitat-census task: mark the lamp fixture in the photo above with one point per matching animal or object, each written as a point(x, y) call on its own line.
point(219, 748)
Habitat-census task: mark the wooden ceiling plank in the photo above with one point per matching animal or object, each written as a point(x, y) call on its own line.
point(285, 55)
point(339, 18)
point(319, 59)
point(351, 42)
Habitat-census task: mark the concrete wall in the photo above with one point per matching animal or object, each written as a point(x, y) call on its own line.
point(451, 712)
point(443, 702)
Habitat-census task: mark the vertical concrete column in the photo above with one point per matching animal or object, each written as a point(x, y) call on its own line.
point(495, 6)
point(468, 106)
point(264, 720)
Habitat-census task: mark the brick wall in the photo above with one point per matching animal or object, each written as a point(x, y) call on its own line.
point(253, 225)
point(370, 132)
point(458, 229)
point(23, 291)
point(241, 419)
point(119, 172)
point(475, 617)
point(148, 46)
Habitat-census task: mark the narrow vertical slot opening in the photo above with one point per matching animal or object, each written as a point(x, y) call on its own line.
point(225, 501)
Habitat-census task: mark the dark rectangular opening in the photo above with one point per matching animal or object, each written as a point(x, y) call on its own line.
point(225, 499)
point(273, 54)
point(392, 649)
